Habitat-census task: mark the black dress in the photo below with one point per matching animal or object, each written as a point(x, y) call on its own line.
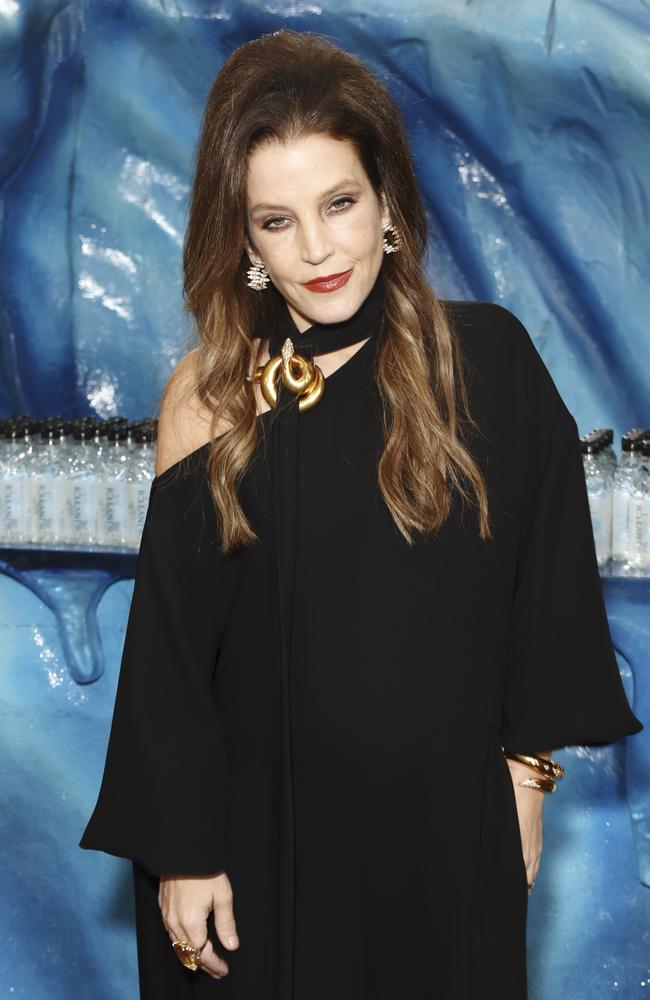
point(351, 780)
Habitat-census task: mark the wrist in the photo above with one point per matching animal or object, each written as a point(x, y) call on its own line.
point(524, 770)
point(518, 773)
point(536, 771)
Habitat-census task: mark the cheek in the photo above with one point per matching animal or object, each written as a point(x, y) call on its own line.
point(277, 249)
point(359, 234)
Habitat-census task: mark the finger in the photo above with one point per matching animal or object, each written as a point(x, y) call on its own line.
point(532, 870)
point(224, 919)
point(212, 963)
point(195, 932)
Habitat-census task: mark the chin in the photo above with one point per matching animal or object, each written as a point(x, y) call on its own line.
point(335, 309)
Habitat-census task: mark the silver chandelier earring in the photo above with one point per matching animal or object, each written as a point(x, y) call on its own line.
point(393, 247)
point(258, 276)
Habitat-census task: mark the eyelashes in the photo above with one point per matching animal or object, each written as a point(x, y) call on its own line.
point(337, 211)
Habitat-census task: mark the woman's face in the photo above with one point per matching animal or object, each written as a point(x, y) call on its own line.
point(312, 212)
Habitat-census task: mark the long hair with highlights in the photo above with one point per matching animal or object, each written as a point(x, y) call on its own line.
point(282, 86)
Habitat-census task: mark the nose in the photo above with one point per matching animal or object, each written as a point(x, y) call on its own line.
point(316, 245)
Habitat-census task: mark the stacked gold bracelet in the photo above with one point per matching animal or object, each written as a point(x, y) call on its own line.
point(549, 770)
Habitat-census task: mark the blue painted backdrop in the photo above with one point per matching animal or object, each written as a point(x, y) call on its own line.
point(529, 125)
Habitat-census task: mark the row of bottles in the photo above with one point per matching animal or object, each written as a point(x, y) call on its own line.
point(81, 483)
point(85, 484)
point(619, 500)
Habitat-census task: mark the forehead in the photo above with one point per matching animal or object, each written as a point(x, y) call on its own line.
point(304, 167)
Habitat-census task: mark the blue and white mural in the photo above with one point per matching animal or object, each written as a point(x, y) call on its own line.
point(529, 124)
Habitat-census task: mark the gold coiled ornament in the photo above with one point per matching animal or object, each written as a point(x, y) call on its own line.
point(300, 375)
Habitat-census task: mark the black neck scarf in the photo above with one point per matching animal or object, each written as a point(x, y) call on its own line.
point(320, 338)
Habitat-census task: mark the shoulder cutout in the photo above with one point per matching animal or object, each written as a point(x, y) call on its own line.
point(183, 424)
point(187, 461)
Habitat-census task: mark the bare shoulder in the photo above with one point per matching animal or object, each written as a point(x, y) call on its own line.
point(184, 423)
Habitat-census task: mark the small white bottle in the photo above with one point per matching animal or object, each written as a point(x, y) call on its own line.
point(111, 489)
point(639, 515)
point(624, 478)
point(605, 438)
point(29, 462)
point(13, 484)
point(47, 489)
point(599, 491)
point(139, 486)
point(81, 498)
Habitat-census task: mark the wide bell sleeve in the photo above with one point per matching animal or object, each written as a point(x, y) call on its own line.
point(562, 683)
point(163, 794)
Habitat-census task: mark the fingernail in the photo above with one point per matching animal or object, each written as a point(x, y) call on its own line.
point(232, 942)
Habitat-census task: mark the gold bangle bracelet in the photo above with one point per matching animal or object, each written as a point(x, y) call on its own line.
point(542, 784)
point(548, 768)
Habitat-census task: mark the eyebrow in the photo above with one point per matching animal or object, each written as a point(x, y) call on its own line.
point(346, 182)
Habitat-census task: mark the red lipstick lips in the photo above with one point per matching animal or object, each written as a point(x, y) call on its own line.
point(328, 283)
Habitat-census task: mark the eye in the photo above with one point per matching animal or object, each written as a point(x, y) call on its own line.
point(268, 223)
point(338, 201)
point(342, 202)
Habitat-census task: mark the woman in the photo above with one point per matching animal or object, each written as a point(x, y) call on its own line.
point(367, 574)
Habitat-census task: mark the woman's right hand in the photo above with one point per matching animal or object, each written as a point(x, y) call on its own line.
point(186, 902)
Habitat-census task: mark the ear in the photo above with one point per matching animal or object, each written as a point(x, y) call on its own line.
point(250, 250)
point(383, 208)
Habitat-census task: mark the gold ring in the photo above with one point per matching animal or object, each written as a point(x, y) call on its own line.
point(187, 954)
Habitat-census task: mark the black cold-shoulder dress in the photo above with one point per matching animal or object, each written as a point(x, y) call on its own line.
point(322, 714)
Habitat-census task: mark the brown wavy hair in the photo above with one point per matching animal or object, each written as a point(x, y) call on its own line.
point(281, 86)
